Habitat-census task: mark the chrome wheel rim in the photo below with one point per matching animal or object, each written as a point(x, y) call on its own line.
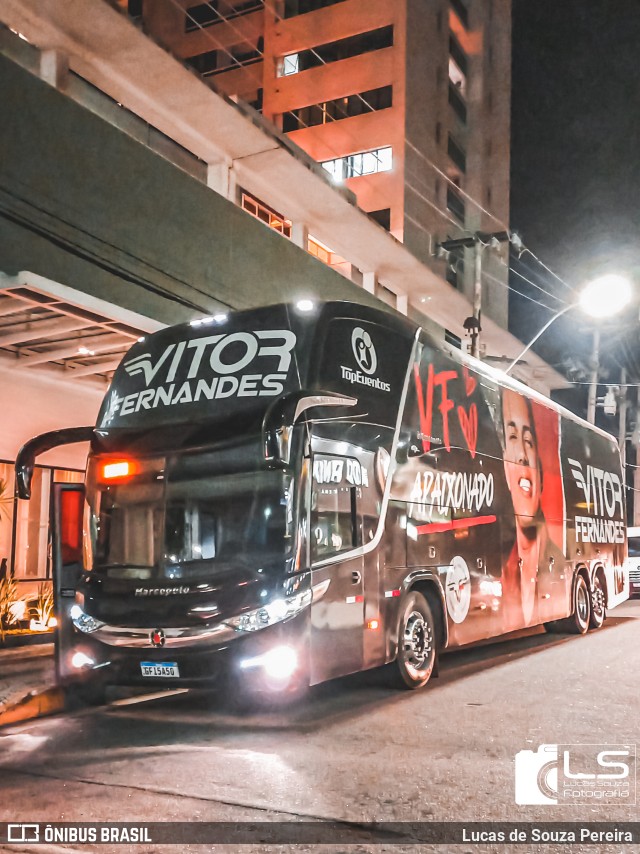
point(582, 603)
point(417, 643)
point(598, 603)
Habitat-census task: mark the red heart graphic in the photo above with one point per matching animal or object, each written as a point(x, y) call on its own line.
point(470, 382)
point(469, 425)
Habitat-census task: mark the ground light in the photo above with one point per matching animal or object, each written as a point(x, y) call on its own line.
point(279, 663)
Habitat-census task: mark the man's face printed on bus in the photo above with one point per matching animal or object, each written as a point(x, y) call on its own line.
point(521, 464)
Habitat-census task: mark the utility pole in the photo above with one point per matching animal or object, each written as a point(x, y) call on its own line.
point(622, 427)
point(479, 242)
point(593, 384)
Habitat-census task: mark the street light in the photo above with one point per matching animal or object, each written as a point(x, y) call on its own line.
point(601, 298)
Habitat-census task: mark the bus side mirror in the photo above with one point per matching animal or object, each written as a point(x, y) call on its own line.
point(27, 454)
point(282, 415)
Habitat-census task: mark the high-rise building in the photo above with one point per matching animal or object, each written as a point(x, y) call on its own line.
point(405, 101)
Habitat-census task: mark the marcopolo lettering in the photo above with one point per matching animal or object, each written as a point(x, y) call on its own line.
point(211, 367)
point(162, 591)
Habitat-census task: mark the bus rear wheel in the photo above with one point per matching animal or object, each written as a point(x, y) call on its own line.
point(598, 603)
point(417, 643)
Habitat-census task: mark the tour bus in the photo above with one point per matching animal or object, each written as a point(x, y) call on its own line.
point(284, 495)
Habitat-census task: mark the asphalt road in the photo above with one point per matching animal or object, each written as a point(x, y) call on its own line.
point(355, 751)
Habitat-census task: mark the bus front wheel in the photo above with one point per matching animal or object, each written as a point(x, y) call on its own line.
point(417, 643)
point(580, 619)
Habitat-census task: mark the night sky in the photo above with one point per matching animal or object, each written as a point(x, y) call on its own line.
point(575, 196)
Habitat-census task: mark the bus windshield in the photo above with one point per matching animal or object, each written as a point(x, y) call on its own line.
point(179, 516)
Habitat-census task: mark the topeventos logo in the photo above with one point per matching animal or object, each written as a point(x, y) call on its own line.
point(364, 351)
point(367, 359)
point(236, 364)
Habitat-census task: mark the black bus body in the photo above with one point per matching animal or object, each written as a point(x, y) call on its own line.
point(284, 495)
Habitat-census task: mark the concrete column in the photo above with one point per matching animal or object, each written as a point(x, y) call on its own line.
point(54, 68)
point(300, 234)
point(221, 178)
point(402, 304)
point(369, 282)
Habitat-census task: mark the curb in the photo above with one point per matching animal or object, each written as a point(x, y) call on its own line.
point(34, 705)
point(32, 651)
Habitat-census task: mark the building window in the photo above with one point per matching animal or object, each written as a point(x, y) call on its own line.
point(453, 339)
point(207, 14)
point(455, 203)
point(319, 251)
point(456, 77)
point(328, 257)
point(457, 54)
point(489, 197)
point(438, 132)
point(382, 217)
point(213, 62)
point(134, 8)
point(457, 154)
point(457, 103)
point(290, 64)
point(461, 11)
point(256, 103)
point(341, 108)
point(386, 296)
point(265, 214)
point(301, 7)
point(324, 54)
point(454, 273)
point(204, 63)
point(363, 163)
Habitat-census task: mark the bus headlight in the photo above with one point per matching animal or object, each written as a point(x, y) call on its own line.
point(84, 622)
point(274, 612)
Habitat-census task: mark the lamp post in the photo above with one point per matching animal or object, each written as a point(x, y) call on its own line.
point(601, 298)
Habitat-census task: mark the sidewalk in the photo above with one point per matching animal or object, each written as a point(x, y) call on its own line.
point(24, 670)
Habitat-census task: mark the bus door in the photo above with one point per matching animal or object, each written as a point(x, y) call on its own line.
point(335, 527)
point(66, 526)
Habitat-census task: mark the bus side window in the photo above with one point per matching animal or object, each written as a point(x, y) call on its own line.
point(335, 522)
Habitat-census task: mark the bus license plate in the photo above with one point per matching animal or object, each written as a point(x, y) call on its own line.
point(165, 669)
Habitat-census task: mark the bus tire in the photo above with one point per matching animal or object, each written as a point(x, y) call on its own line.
point(578, 622)
point(598, 603)
point(417, 643)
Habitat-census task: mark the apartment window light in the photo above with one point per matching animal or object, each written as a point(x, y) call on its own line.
point(457, 77)
point(360, 164)
point(265, 214)
point(290, 64)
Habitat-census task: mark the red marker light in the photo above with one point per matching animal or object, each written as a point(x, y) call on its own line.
point(111, 471)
